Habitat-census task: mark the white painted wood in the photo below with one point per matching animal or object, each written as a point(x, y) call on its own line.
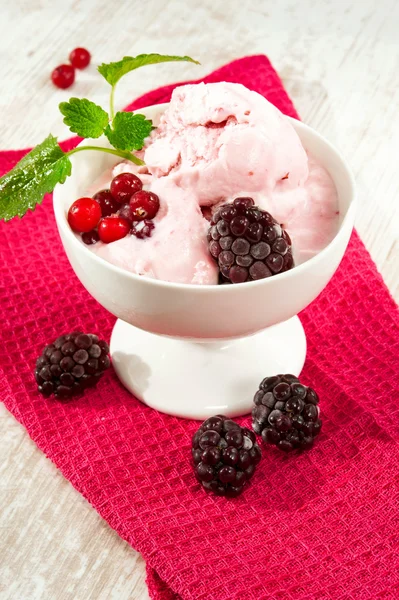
point(339, 62)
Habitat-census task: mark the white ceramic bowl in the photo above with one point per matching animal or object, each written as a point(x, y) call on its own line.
point(225, 374)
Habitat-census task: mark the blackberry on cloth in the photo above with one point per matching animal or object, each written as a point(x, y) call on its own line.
point(286, 413)
point(225, 456)
point(70, 364)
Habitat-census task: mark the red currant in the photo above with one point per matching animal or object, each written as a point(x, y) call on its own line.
point(80, 58)
point(123, 187)
point(63, 76)
point(112, 229)
point(144, 205)
point(107, 202)
point(84, 215)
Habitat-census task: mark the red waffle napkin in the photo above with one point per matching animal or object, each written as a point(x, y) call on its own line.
point(320, 525)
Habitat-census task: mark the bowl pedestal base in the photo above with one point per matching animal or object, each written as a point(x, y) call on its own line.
point(196, 380)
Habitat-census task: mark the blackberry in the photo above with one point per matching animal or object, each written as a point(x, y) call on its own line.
point(225, 456)
point(248, 243)
point(70, 364)
point(286, 413)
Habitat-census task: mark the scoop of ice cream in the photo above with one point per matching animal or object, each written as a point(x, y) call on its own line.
point(221, 140)
point(213, 143)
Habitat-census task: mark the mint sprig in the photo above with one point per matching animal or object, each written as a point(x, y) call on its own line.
point(89, 120)
point(83, 117)
point(46, 165)
point(34, 176)
point(112, 72)
point(38, 173)
point(128, 131)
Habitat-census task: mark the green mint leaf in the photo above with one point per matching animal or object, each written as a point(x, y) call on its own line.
point(128, 131)
point(83, 117)
point(112, 72)
point(34, 176)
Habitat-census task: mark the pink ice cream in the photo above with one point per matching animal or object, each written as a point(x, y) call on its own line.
point(213, 143)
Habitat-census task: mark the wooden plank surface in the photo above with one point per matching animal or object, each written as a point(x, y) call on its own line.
point(340, 63)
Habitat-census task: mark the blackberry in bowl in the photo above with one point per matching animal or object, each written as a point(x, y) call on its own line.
point(248, 243)
point(225, 456)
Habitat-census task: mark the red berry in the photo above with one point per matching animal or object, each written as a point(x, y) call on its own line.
point(112, 229)
point(63, 76)
point(84, 215)
point(107, 202)
point(80, 58)
point(123, 187)
point(144, 205)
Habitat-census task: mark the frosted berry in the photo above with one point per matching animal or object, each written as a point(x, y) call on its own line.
point(144, 205)
point(90, 237)
point(123, 187)
point(225, 456)
point(112, 229)
point(70, 364)
point(107, 202)
point(286, 413)
point(84, 215)
point(63, 76)
point(125, 212)
point(80, 58)
point(142, 229)
point(248, 243)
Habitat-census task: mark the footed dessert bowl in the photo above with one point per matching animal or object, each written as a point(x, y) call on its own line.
point(197, 350)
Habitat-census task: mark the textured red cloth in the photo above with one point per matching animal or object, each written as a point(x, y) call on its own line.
point(320, 525)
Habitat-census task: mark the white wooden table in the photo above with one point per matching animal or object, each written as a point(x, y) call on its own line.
point(339, 62)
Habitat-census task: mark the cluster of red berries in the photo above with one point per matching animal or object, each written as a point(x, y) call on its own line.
point(113, 213)
point(64, 75)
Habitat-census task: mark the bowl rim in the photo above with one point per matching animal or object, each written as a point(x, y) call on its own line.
point(62, 223)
